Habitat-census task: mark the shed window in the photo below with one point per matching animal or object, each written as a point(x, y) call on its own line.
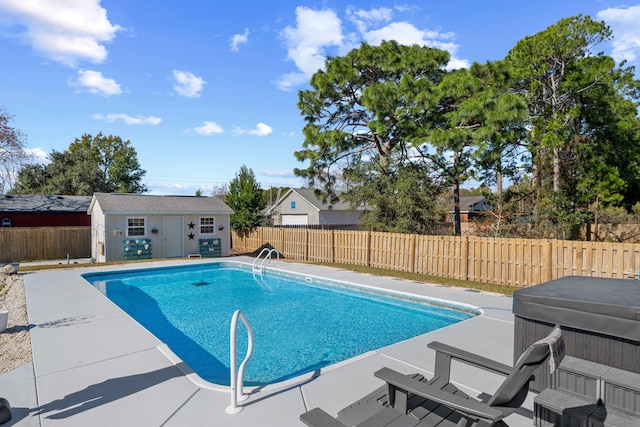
point(207, 225)
point(293, 205)
point(136, 226)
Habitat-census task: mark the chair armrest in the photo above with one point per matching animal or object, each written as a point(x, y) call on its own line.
point(465, 405)
point(319, 418)
point(470, 358)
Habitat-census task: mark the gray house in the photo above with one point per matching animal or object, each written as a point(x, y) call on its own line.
point(136, 226)
point(300, 206)
point(471, 207)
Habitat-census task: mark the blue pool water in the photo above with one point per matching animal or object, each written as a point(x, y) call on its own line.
point(299, 325)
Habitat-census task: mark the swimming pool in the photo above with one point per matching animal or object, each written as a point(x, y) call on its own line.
point(300, 323)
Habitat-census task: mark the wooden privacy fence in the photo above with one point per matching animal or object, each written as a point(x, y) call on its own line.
point(501, 261)
point(44, 243)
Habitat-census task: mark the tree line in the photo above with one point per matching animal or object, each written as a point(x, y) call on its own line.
point(552, 128)
point(100, 163)
point(390, 127)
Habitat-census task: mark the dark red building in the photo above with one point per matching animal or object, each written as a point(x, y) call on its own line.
point(22, 210)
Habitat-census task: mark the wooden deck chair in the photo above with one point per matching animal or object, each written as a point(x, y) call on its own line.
point(412, 400)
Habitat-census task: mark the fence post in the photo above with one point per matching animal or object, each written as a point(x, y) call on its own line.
point(368, 248)
point(260, 236)
point(282, 235)
point(306, 244)
point(464, 262)
point(549, 260)
point(333, 246)
point(412, 259)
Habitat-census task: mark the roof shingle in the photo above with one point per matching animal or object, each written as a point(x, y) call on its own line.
point(39, 203)
point(120, 203)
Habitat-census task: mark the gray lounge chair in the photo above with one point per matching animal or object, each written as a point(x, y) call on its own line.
point(412, 400)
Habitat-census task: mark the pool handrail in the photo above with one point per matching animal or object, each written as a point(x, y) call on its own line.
point(268, 257)
point(255, 267)
point(237, 377)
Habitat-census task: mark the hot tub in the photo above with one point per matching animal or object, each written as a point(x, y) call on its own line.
point(600, 319)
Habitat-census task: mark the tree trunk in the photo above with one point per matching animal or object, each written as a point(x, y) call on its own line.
point(535, 170)
point(499, 187)
point(457, 230)
point(556, 170)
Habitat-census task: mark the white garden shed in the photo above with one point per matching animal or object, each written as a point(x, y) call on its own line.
point(141, 226)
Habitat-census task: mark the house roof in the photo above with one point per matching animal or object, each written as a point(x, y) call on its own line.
point(120, 203)
point(469, 203)
point(37, 203)
point(310, 196)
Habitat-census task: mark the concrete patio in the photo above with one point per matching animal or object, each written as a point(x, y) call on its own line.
point(93, 365)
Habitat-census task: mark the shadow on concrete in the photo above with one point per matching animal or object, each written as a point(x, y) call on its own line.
point(105, 392)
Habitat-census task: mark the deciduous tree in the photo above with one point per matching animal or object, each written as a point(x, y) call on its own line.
point(91, 164)
point(12, 151)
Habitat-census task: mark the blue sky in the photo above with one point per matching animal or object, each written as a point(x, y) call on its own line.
point(203, 87)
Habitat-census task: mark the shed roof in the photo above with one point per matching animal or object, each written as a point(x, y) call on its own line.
point(120, 203)
point(32, 203)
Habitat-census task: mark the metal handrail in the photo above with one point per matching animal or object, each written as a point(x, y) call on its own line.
point(268, 257)
point(255, 267)
point(237, 376)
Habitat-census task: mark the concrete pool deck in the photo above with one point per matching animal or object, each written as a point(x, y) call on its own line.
point(93, 365)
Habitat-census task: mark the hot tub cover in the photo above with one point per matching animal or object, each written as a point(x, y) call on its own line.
point(606, 306)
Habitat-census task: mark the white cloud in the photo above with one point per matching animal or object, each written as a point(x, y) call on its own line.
point(402, 32)
point(260, 130)
point(364, 18)
point(625, 24)
point(239, 39)
point(38, 154)
point(66, 31)
point(278, 173)
point(96, 83)
point(317, 31)
point(188, 84)
point(128, 120)
point(208, 128)
point(172, 188)
point(457, 63)
point(408, 34)
point(306, 43)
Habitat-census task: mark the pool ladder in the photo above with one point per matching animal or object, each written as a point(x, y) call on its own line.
point(237, 381)
point(269, 252)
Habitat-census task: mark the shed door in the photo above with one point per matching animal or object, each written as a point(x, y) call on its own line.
point(173, 240)
point(288, 219)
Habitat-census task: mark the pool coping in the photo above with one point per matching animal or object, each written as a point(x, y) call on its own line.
point(81, 351)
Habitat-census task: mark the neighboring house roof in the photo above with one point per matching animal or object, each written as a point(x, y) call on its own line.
point(120, 203)
point(473, 204)
point(17, 203)
point(310, 196)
